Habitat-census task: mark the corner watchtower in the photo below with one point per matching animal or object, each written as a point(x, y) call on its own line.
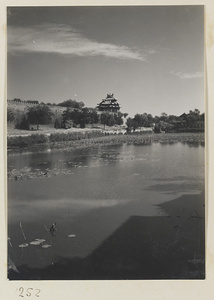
point(109, 104)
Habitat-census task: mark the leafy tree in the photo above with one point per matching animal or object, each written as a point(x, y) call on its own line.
point(192, 117)
point(143, 120)
point(195, 112)
point(111, 120)
point(138, 121)
point(58, 120)
point(10, 115)
point(68, 124)
point(85, 117)
point(164, 117)
point(161, 126)
point(156, 119)
point(202, 117)
point(172, 118)
point(40, 114)
point(118, 118)
point(104, 119)
point(94, 118)
point(135, 125)
point(129, 124)
point(79, 117)
point(72, 104)
point(71, 115)
point(65, 117)
point(150, 120)
point(21, 121)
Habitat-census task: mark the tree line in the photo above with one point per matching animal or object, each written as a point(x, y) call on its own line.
point(36, 115)
point(166, 122)
point(75, 114)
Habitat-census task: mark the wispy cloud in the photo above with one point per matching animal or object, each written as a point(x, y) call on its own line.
point(66, 41)
point(188, 75)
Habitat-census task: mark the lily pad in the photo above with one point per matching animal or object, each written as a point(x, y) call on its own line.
point(40, 240)
point(35, 243)
point(46, 246)
point(71, 235)
point(23, 245)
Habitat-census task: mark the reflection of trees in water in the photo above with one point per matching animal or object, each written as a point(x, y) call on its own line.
point(76, 158)
point(82, 157)
point(57, 160)
point(30, 160)
point(40, 161)
point(85, 157)
point(194, 143)
point(188, 143)
point(63, 161)
point(110, 154)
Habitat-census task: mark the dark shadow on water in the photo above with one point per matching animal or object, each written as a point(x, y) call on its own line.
point(160, 247)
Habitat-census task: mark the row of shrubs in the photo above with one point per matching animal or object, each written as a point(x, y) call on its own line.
point(92, 137)
point(74, 136)
point(36, 139)
point(25, 141)
point(76, 139)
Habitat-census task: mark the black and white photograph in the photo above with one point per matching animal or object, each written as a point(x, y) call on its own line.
point(106, 143)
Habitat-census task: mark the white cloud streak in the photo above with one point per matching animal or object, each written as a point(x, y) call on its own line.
point(188, 75)
point(66, 41)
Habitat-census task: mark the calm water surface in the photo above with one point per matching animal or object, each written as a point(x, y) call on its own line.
point(91, 192)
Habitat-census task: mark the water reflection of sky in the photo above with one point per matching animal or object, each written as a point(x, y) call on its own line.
point(106, 187)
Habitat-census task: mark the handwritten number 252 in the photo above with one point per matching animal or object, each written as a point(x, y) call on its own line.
point(29, 292)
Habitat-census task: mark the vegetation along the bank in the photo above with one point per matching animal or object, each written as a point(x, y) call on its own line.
point(29, 115)
point(65, 120)
point(98, 138)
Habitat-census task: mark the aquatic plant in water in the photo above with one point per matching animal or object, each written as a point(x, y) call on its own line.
point(24, 245)
point(22, 231)
point(46, 246)
point(12, 266)
point(9, 242)
point(71, 235)
point(37, 242)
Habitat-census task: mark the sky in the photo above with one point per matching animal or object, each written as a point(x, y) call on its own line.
point(150, 57)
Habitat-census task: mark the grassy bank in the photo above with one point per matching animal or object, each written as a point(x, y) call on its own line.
point(34, 140)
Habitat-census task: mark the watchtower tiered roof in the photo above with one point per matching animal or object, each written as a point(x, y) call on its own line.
point(109, 104)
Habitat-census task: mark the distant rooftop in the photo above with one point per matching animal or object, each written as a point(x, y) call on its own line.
point(109, 104)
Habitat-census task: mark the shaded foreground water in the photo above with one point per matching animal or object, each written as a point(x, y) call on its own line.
point(122, 212)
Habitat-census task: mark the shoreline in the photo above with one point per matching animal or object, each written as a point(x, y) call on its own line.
point(74, 140)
